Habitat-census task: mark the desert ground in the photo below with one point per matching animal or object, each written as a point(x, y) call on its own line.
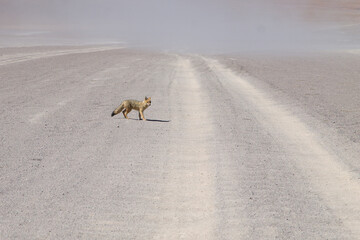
point(235, 146)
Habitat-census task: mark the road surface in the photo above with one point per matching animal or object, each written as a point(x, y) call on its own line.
point(235, 147)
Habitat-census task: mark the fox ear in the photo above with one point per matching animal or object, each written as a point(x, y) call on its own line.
point(146, 98)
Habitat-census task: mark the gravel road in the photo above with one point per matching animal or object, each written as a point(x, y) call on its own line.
point(235, 147)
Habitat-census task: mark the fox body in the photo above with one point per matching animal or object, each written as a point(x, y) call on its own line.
point(128, 105)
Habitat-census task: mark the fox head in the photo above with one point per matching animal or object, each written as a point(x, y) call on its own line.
point(147, 101)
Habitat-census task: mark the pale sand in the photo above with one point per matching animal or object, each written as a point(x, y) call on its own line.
point(240, 147)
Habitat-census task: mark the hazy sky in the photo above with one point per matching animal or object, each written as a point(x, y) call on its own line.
point(215, 25)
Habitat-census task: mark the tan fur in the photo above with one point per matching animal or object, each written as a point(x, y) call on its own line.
point(128, 105)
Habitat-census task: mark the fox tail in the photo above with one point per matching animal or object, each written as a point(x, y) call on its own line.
point(119, 109)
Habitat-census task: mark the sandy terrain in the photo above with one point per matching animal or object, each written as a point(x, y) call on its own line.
point(235, 147)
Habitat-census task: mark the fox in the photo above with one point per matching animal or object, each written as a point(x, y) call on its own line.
point(128, 105)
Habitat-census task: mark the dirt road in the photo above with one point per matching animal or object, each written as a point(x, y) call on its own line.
point(234, 147)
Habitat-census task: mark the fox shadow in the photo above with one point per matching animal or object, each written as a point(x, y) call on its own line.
point(157, 120)
point(150, 120)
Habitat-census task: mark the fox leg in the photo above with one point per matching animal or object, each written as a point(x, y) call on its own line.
point(142, 115)
point(126, 112)
point(139, 116)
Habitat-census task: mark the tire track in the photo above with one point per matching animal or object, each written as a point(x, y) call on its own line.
point(189, 195)
point(338, 187)
point(21, 57)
